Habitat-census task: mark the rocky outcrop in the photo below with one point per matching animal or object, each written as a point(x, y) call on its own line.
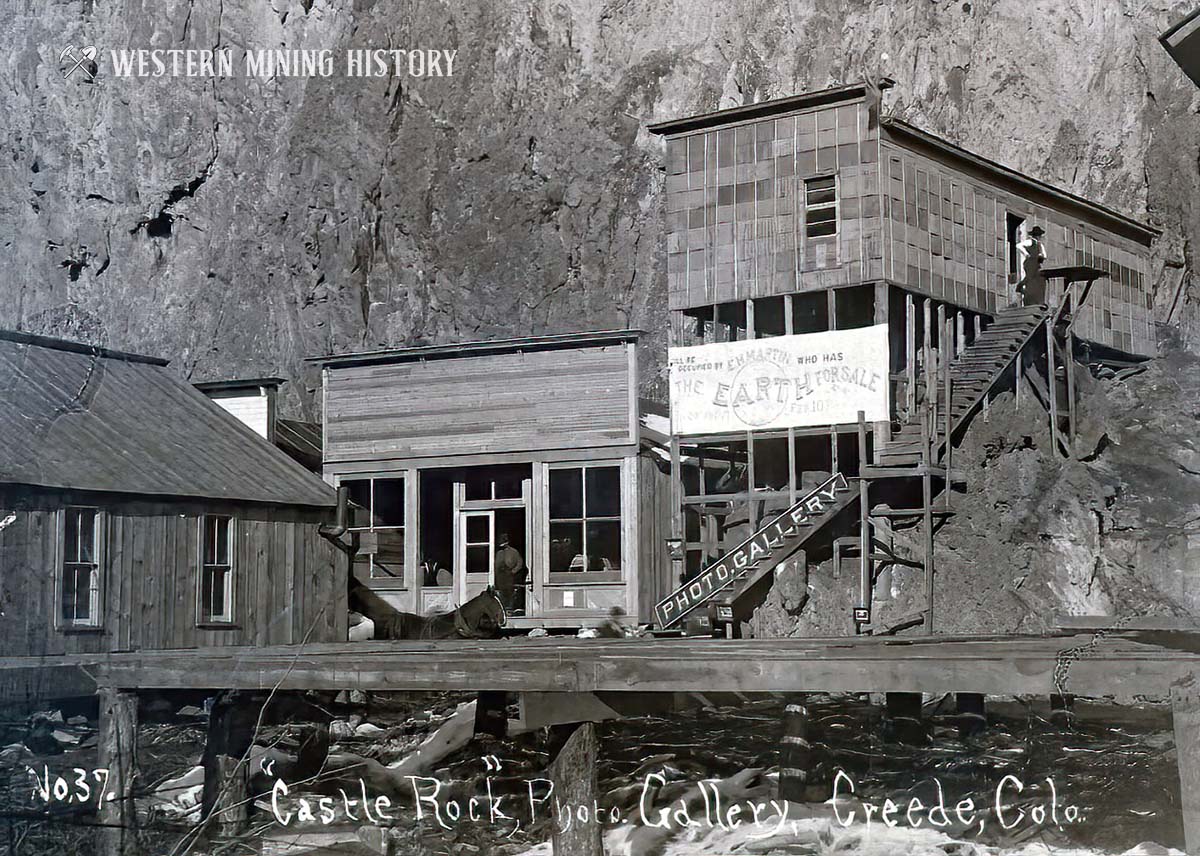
point(1116, 531)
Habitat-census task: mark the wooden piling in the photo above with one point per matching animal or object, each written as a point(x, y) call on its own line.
point(1062, 710)
point(231, 726)
point(972, 713)
point(1185, 713)
point(117, 748)
point(802, 775)
point(573, 774)
point(905, 718)
point(1052, 384)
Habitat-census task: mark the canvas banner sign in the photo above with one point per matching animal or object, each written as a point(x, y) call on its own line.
point(780, 382)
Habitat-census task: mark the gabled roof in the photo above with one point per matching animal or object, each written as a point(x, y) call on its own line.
point(79, 417)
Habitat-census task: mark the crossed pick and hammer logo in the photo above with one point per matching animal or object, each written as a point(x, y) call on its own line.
point(82, 59)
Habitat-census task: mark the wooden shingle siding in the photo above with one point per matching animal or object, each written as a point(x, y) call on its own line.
point(290, 583)
point(505, 402)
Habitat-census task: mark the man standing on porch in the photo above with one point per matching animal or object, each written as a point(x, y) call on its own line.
point(510, 574)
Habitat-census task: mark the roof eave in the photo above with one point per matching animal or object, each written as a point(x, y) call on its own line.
point(763, 109)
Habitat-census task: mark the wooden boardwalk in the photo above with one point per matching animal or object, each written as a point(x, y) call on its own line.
point(1120, 666)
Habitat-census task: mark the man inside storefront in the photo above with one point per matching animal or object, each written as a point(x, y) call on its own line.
point(510, 576)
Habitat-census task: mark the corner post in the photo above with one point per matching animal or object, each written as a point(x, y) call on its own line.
point(573, 774)
point(1185, 713)
point(118, 754)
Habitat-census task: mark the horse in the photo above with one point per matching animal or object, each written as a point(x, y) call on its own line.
point(481, 617)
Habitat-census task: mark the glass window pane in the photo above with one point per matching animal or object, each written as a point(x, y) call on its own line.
point(223, 539)
point(604, 546)
point(479, 560)
point(68, 595)
point(603, 492)
point(206, 593)
point(360, 501)
point(71, 536)
point(389, 555)
point(479, 530)
point(566, 493)
point(817, 230)
point(822, 215)
point(566, 546)
point(87, 535)
point(389, 502)
point(83, 599)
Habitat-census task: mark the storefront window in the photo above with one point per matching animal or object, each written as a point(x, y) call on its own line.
point(585, 521)
point(377, 513)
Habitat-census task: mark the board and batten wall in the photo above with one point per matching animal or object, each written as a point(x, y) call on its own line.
point(945, 234)
point(290, 582)
point(492, 403)
point(735, 206)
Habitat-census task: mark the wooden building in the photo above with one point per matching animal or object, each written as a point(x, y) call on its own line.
point(815, 215)
point(254, 402)
point(447, 448)
point(137, 514)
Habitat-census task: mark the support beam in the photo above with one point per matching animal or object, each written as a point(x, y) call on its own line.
point(1185, 713)
point(864, 530)
point(573, 774)
point(1069, 368)
point(117, 749)
point(910, 355)
point(1052, 383)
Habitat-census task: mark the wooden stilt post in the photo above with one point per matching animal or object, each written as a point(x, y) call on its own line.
point(231, 727)
point(1069, 368)
point(904, 717)
point(1185, 713)
point(927, 350)
point(117, 748)
point(910, 356)
point(972, 715)
point(864, 527)
point(948, 393)
point(1062, 710)
point(931, 365)
point(803, 777)
point(927, 525)
point(573, 774)
point(1052, 385)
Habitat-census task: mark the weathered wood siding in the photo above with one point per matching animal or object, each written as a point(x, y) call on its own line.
point(654, 528)
point(945, 235)
point(735, 206)
point(290, 583)
point(517, 401)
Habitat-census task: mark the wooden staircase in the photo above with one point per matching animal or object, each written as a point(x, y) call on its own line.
point(973, 374)
point(741, 568)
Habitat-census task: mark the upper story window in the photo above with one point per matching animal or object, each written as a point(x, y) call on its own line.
point(820, 207)
point(585, 521)
point(216, 569)
point(377, 509)
point(79, 574)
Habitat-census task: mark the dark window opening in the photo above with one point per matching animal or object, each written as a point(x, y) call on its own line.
point(820, 207)
point(854, 307)
point(216, 571)
point(585, 520)
point(769, 317)
point(1013, 224)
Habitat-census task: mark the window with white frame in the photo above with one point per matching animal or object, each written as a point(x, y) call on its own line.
point(216, 569)
point(377, 510)
point(79, 580)
point(820, 207)
point(585, 521)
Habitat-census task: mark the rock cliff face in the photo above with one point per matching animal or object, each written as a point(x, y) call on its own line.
point(238, 225)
